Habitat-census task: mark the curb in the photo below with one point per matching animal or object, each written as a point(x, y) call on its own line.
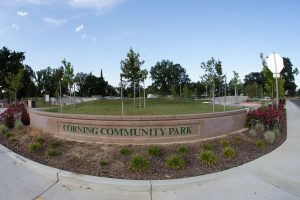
point(102, 183)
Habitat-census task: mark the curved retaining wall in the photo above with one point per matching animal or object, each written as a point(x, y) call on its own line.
point(138, 129)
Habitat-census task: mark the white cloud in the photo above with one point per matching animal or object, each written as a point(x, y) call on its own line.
point(100, 5)
point(36, 1)
point(15, 27)
point(55, 21)
point(83, 36)
point(79, 28)
point(22, 13)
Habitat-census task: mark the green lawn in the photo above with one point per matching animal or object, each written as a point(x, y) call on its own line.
point(159, 106)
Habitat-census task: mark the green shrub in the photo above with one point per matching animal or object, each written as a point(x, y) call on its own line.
point(207, 157)
point(183, 150)
point(3, 129)
point(260, 127)
point(276, 131)
point(8, 135)
point(269, 136)
point(18, 124)
point(228, 152)
point(40, 140)
point(139, 163)
point(225, 143)
point(252, 132)
point(33, 147)
point(103, 163)
point(125, 151)
point(53, 143)
point(260, 144)
point(208, 147)
point(51, 152)
point(175, 162)
point(155, 151)
point(238, 139)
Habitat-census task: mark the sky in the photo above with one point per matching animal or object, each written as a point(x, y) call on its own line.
point(97, 34)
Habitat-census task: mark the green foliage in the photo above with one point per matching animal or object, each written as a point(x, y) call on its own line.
point(125, 151)
point(131, 67)
point(40, 140)
point(252, 132)
point(34, 147)
point(229, 152)
point(54, 143)
point(155, 151)
point(19, 124)
point(175, 162)
point(288, 74)
point(208, 147)
point(183, 150)
point(103, 163)
point(8, 135)
point(139, 163)
point(251, 90)
point(225, 143)
point(269, 136)
point(167, 76)
point(260, 127)
point(238, 139)
point(207, 157)
point(50, 152)
point(277, 132)
point(260, 144)
point(14, 82)
point(3, 129)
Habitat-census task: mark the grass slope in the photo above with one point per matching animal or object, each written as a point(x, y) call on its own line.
point(159, 106)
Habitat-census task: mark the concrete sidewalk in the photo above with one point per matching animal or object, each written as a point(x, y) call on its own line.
point(273, 176)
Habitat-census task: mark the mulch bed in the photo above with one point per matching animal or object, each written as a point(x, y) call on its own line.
point(85, 158)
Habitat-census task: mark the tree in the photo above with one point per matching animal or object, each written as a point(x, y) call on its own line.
point(68, 75)
point(288, 74)
point(166, 74)
point(14, 82)
point(235, 84)
point(131, 69)
point(12, 62)
point(257, 79)
point(251, 90)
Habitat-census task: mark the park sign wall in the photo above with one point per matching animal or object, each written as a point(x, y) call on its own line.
point(138, 129)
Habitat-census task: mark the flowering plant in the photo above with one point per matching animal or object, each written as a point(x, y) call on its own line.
point(270, 116)
point(14, 112)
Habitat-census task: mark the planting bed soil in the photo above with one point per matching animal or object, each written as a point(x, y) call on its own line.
point(115, 160)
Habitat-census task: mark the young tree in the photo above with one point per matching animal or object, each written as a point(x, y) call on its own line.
point(68, 76)
point(14, 82)
point(235, 84)
point(131, 69)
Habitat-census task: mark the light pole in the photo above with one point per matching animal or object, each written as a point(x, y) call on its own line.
point(60, 96)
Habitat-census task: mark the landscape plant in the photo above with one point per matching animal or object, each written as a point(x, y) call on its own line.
point(155, 151)
point(207, 157)
point(50, 152)
point(269, 136)
point(3, 129)
point(183, 150)
point(175, 162)
point(125, 151)
point(208, 147)
point(260, 144)
point(18, 124)
point(34, 147)
point(225, 143)
point(139, 163)
point(229, 152)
